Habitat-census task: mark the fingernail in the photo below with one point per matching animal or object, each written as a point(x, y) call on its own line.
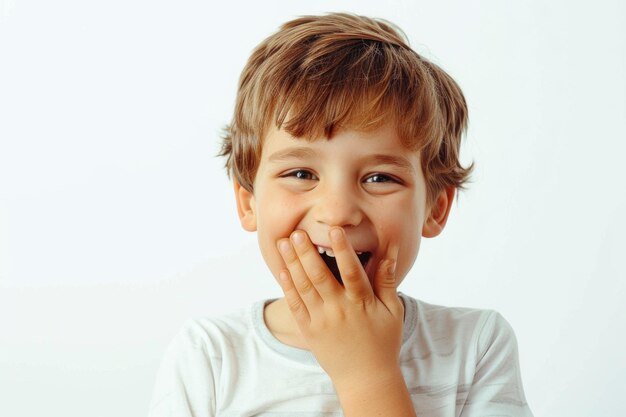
point(391, 268)
point(283, 246)
point(298, 238)
point(335, 235)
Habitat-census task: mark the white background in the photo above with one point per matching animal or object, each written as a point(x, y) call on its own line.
point(117, 222)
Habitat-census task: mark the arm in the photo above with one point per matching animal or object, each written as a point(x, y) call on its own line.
point(354, 331)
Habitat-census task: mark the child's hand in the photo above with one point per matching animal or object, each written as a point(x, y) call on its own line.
point(354, 332)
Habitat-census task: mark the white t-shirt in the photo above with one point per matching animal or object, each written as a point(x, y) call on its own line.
point(456, 362)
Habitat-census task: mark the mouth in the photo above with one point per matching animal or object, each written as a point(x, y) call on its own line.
point(329, 258)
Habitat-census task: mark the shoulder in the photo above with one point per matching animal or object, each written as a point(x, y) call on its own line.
point(446, 318)
point(470, 352)
point(196, 359)
point(214, 333)
point(474, 328)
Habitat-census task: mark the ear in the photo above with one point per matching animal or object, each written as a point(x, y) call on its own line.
point(245, 207)
point(438, 213)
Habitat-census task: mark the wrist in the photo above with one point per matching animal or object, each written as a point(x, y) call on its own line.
point(379, 394)
point(372, 380)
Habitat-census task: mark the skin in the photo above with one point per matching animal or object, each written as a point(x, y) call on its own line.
point(357, 191)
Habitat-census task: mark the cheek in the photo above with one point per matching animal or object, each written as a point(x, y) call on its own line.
point(404, 230)
point(407, 256)
point(401, 219)
point(410, 243)
point(277, 217)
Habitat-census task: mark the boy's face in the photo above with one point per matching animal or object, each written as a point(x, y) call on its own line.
point(367, 182)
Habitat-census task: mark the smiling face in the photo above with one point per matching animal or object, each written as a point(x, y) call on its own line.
point(369, 183)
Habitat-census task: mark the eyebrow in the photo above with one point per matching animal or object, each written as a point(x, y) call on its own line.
point(293, 153)
point(399, 162)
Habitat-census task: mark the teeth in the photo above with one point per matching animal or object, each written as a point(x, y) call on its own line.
point(330, 252)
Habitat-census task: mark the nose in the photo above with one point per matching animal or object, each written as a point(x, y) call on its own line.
point(338, 205)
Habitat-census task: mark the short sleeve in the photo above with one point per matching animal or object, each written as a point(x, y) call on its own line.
point(185, 384)
point(497, 385)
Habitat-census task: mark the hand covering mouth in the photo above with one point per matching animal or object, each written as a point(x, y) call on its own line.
point(331, 262)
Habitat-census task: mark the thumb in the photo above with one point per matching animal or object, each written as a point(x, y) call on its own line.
point(385, 286)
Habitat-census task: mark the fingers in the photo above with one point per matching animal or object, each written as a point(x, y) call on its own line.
point(314, 267)
point(305, 288)
point(294, 301)
point(352, 273)
point(310, 282)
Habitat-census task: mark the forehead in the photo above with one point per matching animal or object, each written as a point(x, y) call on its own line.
point(380, 146)
point(382, 137)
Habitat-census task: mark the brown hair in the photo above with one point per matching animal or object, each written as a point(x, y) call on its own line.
point(318, 73)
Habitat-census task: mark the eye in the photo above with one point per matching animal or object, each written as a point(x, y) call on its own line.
point(301, 174)
point(378, 178)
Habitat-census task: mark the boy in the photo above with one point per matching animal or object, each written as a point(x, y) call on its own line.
point(344, 151)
